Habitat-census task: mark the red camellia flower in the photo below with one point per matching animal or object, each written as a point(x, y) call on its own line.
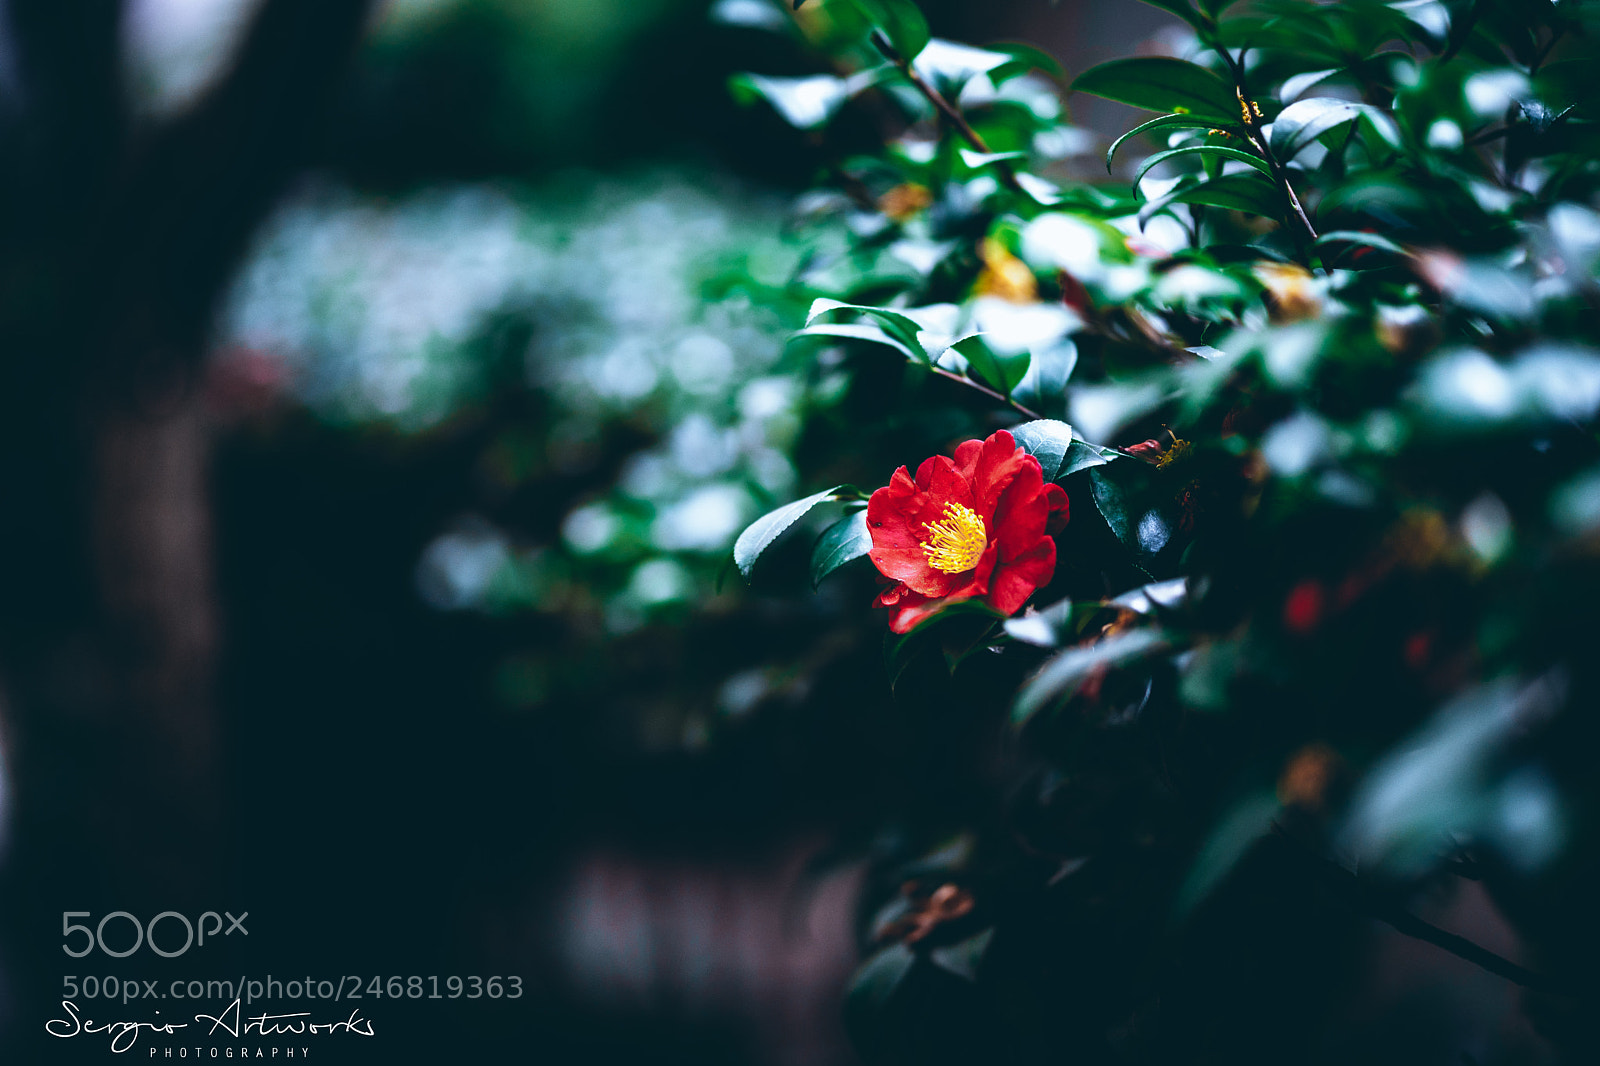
point(976, 527)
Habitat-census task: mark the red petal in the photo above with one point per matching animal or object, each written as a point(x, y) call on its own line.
point(897, 519)
point(1015, 581)
point(1021, 512)
point(1055, 498)
point(914, 608)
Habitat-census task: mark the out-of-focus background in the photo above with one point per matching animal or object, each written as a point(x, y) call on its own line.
point(382, 386)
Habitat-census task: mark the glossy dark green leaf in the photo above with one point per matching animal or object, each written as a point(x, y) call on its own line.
point(901, 21)
point(1136, 505)
point(1295, 87)
point(1044, 386)
point(874, 984)
point(1157, 83)
point(1083, 455)
point(975, 160)
point(1048, 628)
point(845, 541)
point(1305, 120)
point(1164, 122)
point(1200, 151)
point(953, 633)
point(1048, 441)
point(1024, 58)
point(1356, 238)
point(904, 329)
point(983, 364)
point(1230, 841)
point(1063, 674)
point(1249, 192)
point(761, 533)
point(861, 331)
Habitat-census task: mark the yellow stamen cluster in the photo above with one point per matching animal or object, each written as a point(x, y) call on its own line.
point(1246, 107)
point(956, 542)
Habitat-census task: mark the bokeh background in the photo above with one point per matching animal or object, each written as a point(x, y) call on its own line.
point(382, 386)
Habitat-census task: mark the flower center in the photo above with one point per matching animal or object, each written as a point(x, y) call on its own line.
point(955, 543)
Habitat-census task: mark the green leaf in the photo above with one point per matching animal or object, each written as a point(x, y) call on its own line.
point(955, 631)
point(1048, 441)
point(1230, 841)
point(983, 159)
point(872, 987)
point(1164, 122)
point(1044, 386)
point(1083, 455)
point(1000, 372)
point(901, 21)
point(1136, 508)
point(1043, 629)
point(1064, 673)
point(963, 957)
point(804, 103)
point(1360, 239)
point(1157, 83)
point(1024, 58)
point(1295, 87)
point(950, 65)
point(845, 541)
point(1303, 121)
point(760, 534)
point(1182, 10)
point(901, 327)
point(860, 331)
point(1236, 192)
point(1207, 151)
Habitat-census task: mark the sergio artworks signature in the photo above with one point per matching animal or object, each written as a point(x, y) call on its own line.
point(125, 1034)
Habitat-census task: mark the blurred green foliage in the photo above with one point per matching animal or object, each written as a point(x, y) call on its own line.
point(1317, 370)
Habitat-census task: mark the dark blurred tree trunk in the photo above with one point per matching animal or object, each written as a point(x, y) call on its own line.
point(118, 241)
point(152, 541)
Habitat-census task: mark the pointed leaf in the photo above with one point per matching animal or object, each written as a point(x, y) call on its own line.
point(901, 327)
point(1062, 675)
point(1230, 841)
point(845, 541)
point(1305, 120)
point(983, 159)
point(1363, 240)
point(805, 103)
point(1048, 441)
point(1083, 455)
point(1157, 83)
point(1236, 192)
point(1205, 151)
point(901, 21)
point(1164, 122)
point(760, 534)
point(859, 331)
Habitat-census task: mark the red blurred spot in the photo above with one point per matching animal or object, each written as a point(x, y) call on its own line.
point(1419, 647)
point(1302, 611)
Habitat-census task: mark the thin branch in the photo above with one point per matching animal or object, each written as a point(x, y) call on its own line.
point(1364, 900)
point(986, 390)
point(950, 112)
point(1253, 132)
